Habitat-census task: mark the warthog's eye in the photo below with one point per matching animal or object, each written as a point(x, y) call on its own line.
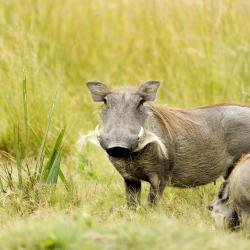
point(222, 197)
point(140, 103)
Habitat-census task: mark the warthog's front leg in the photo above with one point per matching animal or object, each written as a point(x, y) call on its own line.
point(133, 192)
point(157, 187)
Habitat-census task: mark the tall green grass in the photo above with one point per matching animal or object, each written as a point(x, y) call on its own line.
point(199, 50)
point(44, 170)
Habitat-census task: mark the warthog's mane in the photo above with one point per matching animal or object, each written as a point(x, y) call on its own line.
point(221, 105)
point(173, 120)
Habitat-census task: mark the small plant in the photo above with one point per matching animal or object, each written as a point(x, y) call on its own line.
point(86, 166)
point(22, 174)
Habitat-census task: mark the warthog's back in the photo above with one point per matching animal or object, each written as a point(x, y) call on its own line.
point(207, 150)
point(233, 123)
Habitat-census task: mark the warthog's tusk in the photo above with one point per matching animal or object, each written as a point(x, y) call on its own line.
point(97, 131)
point(141, 133)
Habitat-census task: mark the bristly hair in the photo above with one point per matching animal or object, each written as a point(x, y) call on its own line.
point(173, 120)
point(238, 165)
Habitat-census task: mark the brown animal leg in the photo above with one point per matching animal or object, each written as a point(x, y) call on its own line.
point(133, 192)
point(156, 190)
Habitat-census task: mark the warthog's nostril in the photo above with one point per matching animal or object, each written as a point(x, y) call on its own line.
point(118, 152)
point(210, 207)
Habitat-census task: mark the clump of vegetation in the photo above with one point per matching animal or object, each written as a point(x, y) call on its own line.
point(25, 177)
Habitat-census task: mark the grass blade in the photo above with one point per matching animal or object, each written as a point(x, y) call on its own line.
point(54, 170)
point(40, 159)
point(38, 139)
point(1, 185)
point(25, 111)
point(18, 158)
point(63, 179)
point(55, 151)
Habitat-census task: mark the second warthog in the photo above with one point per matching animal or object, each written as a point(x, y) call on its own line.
point(232, 203)
point(163, 146)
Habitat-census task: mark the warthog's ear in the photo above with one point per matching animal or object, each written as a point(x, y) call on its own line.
point(148, 90)
point(98, 91)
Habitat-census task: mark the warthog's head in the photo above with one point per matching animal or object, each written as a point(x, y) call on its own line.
point(220, 202)
point(223, 213)
point(123, 115)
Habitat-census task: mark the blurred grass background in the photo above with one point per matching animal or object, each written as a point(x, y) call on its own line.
point(199, 50)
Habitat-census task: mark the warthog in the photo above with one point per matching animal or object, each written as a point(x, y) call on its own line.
point(233, 199)
point(163, 146)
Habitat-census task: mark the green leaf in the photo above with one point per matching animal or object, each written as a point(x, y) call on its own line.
point(48, 173)
point(40, 159)
point(63, 179)
point(54, 171)
point(55, 151)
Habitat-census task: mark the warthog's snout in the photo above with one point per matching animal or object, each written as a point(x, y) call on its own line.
point(118, 151)
point(119, 144)
point(118, 147)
